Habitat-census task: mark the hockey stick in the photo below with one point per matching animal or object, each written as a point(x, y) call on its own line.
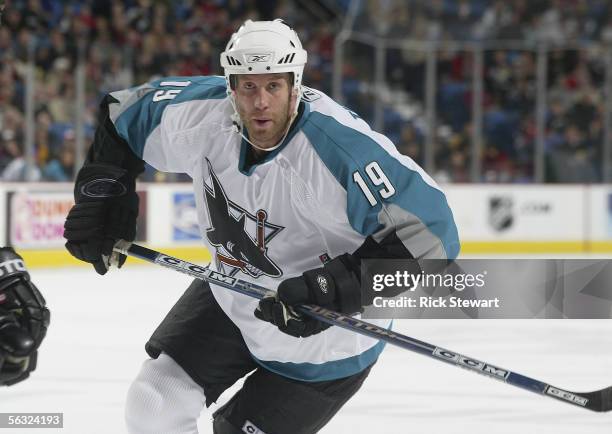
point(600, 400)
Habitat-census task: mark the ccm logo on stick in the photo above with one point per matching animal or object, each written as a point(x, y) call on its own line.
point(562, 394)
point(473, 364)
point(180, 265)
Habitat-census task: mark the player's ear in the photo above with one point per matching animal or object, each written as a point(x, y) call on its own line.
point(234, 84)
point(293, 98)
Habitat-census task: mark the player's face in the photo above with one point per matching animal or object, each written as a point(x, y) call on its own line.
point(265, 103)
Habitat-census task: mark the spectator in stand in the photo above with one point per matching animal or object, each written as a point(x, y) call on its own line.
point(17, 170)
point(452, 160)
point(127, 43)
point(572, 160)
point(411, 143)
point(117, 76)
point(61, 167)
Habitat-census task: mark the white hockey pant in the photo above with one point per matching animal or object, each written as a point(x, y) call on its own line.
point(163, 399)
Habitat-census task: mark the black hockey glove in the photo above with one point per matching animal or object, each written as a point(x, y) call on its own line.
point(105, 211)
point(334, 287)
point(24, 319)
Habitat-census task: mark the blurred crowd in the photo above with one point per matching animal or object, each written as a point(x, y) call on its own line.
point(577, 35)
point(124, 43)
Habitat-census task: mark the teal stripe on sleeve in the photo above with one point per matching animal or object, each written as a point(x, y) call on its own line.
point(345, 150)
point(143, 115)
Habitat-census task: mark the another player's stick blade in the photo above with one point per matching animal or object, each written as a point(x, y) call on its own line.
point(600, 400)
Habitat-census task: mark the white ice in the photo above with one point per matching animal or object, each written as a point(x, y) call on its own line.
point(99, 325)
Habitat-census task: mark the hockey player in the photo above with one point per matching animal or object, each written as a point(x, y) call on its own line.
point(292, 191)
point(24, 319)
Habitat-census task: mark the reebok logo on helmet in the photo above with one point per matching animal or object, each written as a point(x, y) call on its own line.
point(254, 58)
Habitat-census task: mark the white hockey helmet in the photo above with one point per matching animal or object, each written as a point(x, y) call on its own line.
point(264, 47)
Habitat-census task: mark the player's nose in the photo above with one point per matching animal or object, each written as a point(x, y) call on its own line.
point(262, 99)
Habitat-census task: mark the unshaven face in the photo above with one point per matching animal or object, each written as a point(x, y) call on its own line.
point(265, 103)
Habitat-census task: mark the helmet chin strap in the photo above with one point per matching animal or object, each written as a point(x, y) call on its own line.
point(238, 127)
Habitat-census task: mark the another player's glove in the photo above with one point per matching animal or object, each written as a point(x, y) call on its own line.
point(334, 286)
point(105, 211)
point(24, 319)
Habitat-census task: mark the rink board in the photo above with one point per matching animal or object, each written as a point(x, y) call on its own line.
point(492, 219)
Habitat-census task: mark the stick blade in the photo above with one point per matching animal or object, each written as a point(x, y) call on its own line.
point(600, 400)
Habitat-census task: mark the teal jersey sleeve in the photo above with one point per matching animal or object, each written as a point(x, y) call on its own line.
point(138, 111)
point(386, 191)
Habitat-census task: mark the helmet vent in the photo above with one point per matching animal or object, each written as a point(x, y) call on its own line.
point(287, 59)
point(232, 61)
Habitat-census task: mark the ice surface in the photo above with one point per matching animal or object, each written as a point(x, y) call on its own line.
point(99, 325)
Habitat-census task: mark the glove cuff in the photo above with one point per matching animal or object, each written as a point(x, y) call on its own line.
point(102, 181)
point(348, 288)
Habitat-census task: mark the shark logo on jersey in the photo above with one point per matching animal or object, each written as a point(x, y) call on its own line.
point(230, 230)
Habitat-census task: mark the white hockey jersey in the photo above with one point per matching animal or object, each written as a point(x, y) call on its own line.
point(332, 183)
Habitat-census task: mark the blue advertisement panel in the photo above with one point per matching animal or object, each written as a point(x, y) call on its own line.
point(184, 218)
